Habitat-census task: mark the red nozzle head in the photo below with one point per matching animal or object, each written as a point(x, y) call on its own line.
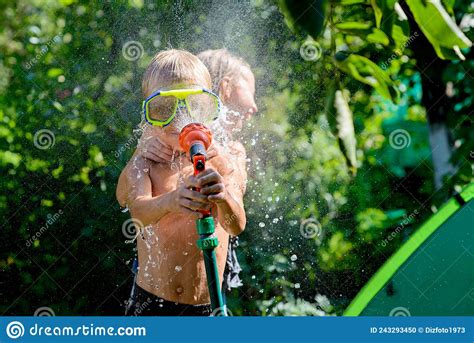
point(194, 133)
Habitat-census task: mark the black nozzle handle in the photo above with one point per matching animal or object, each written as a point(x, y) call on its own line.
point(197, 149)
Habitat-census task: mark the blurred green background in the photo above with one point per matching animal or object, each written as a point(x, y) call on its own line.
point(364, 129)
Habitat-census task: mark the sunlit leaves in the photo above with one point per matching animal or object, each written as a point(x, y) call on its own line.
point(336, 254)
point(439, 28)
point(54, 72)
point(366, 71)
point(384, 14)
point(364, 30)
point(8, 157)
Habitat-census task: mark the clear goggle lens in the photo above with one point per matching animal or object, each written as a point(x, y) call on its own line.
point(201, 107)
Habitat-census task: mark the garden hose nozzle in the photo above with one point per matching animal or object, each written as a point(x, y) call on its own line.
point(195, 139)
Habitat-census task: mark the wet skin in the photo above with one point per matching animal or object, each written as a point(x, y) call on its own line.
point(171, 265)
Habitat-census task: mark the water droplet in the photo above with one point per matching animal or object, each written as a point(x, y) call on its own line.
point(178, 269)
point(261, 224)
point(293, 258)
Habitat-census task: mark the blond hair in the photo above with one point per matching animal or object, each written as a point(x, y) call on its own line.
point(170, 67)
point(221, 63)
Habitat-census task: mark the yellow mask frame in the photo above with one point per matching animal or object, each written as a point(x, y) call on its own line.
point(180, 95)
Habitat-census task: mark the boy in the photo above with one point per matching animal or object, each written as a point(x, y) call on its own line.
point(171, 279)
point(234, 82)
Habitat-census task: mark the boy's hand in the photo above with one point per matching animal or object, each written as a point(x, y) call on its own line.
point(188, 201)
point(154, 150)
point(212, 185)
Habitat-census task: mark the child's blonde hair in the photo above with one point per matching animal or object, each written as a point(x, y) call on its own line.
point(221, 63)
point(170, 67)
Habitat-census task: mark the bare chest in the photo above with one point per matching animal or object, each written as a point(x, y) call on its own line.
point(167, 177)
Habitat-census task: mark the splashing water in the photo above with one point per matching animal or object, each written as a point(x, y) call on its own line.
point(265, 214)
point(226, 126)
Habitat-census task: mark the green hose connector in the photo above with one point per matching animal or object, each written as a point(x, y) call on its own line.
point(207, 242)
point(205, 226)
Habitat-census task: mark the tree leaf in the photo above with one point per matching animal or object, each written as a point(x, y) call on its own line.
point(384, 14)
point(449, 5)
point(352, 2)
point(340, 120)
point(377, 12)
point(448, 54)
point(366, 71)
point(439, 28)
point(306, 16)
point(400, 34)
point(364, 30)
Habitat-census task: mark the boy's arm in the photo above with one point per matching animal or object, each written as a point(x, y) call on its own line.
point(225, 187)
point(232, 212)
point(142, 205)
point(123, 186)
point(149, 147)
point(149, 209)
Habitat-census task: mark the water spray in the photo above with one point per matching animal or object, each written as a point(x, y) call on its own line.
point(195, 139)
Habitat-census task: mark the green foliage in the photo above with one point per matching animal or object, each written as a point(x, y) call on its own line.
point(364, 70)
point(440, 29)
point(305, 16)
